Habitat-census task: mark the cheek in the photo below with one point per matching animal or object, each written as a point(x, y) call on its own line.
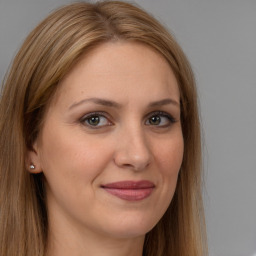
point(71, 163)
point(169, 159)
point(72, 155)
point(169, 155)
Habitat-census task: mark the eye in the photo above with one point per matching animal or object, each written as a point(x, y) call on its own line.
point(95, 120)
point(160, 119)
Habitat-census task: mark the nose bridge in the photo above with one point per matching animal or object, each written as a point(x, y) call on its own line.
point(134, 148)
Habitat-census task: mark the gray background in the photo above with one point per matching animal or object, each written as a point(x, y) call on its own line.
point(219, 37)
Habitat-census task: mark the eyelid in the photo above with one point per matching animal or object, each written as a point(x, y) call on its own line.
point(107, 116)
point(164, 114)
point(96, 113)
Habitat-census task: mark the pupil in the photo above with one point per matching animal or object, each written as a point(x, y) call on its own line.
point(94, 120)
point(155, 120)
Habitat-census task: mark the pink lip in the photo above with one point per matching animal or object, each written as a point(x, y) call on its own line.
point(130, 190)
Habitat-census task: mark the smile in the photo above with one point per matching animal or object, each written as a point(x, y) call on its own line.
point(130, 190)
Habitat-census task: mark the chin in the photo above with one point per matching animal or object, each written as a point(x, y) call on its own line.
point(131, 227)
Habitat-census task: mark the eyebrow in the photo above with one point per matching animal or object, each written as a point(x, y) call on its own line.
point(98, 101)
point(164, 102)
point(110, 103)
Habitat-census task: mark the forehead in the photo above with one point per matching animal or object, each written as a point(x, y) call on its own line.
point(123, 68)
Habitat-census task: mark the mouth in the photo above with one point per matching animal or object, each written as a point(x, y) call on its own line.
point(130, 190)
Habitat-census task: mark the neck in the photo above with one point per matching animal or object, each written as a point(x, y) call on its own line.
point(73, 242)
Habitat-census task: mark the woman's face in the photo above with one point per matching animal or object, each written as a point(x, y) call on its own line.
point(111, 145)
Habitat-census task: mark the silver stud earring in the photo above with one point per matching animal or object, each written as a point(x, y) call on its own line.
point(31, 167)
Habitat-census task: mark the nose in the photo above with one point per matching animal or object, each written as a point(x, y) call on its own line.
point(133, 150)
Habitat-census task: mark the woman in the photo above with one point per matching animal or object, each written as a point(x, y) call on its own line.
point(100, 139)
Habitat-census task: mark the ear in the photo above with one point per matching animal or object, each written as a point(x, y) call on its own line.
point(33, 162)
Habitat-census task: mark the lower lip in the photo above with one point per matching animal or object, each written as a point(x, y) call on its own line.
point(130, 194)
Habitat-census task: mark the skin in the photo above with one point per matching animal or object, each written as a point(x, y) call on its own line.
point(130, 142)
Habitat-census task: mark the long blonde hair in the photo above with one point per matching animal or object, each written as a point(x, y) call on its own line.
point(47, 54)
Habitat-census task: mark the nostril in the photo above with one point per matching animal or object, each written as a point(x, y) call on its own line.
point(134, 152)
point(131, 163)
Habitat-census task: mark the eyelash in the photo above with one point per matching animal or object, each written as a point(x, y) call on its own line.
point(162, 114)
point(84, 119)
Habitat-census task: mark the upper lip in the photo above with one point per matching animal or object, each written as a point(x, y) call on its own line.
point(129, 184)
